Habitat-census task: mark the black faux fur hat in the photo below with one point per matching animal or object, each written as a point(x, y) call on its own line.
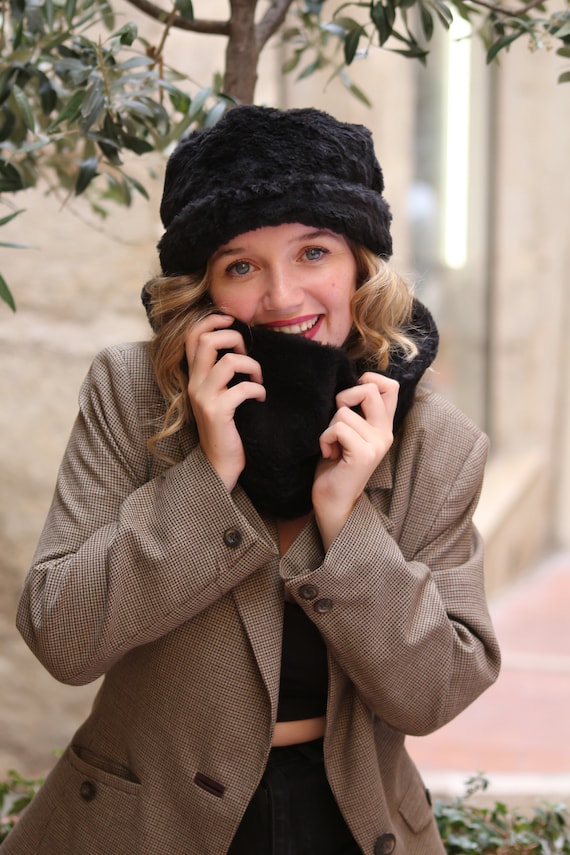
point(264, 167)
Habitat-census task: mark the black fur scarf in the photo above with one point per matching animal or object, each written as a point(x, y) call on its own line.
point(302, 378)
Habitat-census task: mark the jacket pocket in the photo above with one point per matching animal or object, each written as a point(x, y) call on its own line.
point(82, 808)
point(415, 807)
point(89, 762)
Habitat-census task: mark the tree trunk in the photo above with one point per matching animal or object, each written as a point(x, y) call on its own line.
point(242, 52)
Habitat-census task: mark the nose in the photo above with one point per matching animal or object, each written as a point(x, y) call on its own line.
point(283, 292)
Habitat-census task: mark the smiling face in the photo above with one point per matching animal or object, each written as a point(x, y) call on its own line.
point(293, 278)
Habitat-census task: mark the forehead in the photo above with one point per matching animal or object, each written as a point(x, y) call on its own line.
point(283, 235)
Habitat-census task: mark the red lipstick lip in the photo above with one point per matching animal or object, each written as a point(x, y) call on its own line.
point(291, 321)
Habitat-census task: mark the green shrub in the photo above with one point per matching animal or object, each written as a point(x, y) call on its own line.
point(15, 794)
point(468, 828)
point(464, 827)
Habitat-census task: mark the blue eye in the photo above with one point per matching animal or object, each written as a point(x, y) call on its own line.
point(313, 253)
point(240, 268)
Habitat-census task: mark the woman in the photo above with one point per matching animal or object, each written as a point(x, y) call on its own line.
point(262, 533)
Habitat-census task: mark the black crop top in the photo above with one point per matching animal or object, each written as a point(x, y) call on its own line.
point(304, 668)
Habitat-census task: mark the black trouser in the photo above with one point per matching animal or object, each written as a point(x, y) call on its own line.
point(293, 811)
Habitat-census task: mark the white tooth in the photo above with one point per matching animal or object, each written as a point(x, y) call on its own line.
point(295, 329)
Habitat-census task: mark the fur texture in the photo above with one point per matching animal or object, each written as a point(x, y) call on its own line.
point(263, 167)
point(302, 378)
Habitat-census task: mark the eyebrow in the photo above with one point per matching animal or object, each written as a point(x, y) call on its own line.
point(239, 250)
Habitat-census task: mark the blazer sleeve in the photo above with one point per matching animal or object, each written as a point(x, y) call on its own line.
point(122, 558)
point(404, 613)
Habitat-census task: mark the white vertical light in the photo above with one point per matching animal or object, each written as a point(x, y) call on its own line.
point(456, 166)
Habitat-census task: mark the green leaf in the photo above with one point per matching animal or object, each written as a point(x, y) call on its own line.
point(93, 103)
point(49, 12)
point(139, 107)
point(443, 12)
point(309, 69)
point(70, 6)
point(87, 172)
point(215, 114)
point(10, 217)
point(501, 43)
point(18, 36)
point(346, 23)
point(198, 101)
point(136, 144)
point(290, 33)
point(71, 110)
point(12, 245)
point(125, 191)
point(564, 77)
point(6, 294)
point(10, 179)
point(354, 89)
point(7, 122)
point(126, 34)
point(48, 95)
point(185, 9)
point(351, 43)
point(180, 100)
point(36, 144)
point(5, 76)
point(110, 151)
point(137, 186)
point(563, 31)
point(24, 107)
point(334, 29)
point(427, 21)
point(135, 62)
point(117, 192)
point(292, 63)
point(383, 18)
point(107, 14)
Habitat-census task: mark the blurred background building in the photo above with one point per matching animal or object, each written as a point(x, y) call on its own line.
point(476, 168)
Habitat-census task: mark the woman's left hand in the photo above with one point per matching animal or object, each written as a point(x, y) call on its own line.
point(352, 447)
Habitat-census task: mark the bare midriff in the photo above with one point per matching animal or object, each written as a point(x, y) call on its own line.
point(294, 732)
point(305, 729)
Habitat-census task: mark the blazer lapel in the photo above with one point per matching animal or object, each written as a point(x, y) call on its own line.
point(259, 600)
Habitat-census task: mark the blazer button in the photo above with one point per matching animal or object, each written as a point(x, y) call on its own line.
point(232, 537)
point(308, 592)
point(385, 844)
point(87, 791)
point(323, 606)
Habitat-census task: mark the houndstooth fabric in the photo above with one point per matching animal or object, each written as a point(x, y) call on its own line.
point(152, 574)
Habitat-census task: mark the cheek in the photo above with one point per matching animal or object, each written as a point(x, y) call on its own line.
point(339, 297)
point(235, 301)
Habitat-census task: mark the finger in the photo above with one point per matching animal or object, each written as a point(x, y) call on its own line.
point(377, 408)
point(232, 363)
point(229, 372)
point(389, 389)
point(342, 440)
point(246, 390)
point(208, 323)
point(203, 348)
point(330, 447)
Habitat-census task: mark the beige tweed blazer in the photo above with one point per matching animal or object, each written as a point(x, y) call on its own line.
point(154, 575)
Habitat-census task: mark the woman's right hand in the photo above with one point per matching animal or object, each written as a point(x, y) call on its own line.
point(213, 403)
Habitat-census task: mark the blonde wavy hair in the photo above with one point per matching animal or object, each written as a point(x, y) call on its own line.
point(381, 309)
